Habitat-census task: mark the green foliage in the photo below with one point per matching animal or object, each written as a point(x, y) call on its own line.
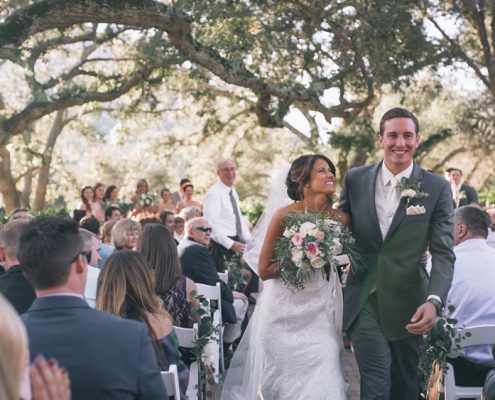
point(253, 211)
point(487, 195)
point(207, 332)
point(51, 212)
point(442, 341)
point(236, 280)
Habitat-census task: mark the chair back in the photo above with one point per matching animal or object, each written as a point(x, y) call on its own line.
point(210, 292)
point(478, 335)
point(224, 276)
point(187, 336)
point(171, 380)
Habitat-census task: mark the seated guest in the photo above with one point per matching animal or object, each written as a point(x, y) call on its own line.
point(167, 204)
point(157, 245)
point(147, 218)
point(113, 212)
point(13, 284)
point(106, 357)
point(471, 292)
point(20, 213)
point(106, 232)
point(198, 265)
point(92, 225)
point(491, 230)
point(179, 228)
point(125, 289)
point(167, 219)
point(91, 249)
point(125, 234)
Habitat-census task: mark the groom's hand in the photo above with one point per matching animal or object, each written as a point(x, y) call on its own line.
point(423, 319)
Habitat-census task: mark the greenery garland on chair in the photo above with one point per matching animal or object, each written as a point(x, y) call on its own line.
point(207, 332)
point(441, 342)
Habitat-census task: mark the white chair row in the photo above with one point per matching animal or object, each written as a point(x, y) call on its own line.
point(478, 335)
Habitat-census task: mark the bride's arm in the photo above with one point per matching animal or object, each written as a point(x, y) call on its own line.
point(267, 267)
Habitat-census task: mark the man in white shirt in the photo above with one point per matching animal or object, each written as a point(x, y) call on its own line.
point(91, 249)
point(471, 292)
point(221, 207)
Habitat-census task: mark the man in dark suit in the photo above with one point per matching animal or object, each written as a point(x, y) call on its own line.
point(13, 284)
point(463, 195)
point(198, 265)
point(389, 300)
point(106, 357)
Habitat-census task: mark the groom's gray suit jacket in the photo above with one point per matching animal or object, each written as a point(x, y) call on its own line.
point(392, 265)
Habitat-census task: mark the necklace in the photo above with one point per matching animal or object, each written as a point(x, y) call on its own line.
point(318, 212)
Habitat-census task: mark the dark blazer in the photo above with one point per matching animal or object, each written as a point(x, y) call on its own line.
point(198, 265)
point(107, 357)
point(471, 195)
point(393, 264)
point(16, 289)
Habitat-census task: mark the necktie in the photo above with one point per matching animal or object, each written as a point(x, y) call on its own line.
point(238, 226)
point(393, 190)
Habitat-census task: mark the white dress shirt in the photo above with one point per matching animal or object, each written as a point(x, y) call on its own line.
point(217, 209)
point(472, 293)
point(91, 285)
point(387, 198)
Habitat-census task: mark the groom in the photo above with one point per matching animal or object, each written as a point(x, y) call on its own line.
point(389, 300)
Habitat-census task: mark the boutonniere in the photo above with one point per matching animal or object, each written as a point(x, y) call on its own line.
point(461, 194)
point(411, 189)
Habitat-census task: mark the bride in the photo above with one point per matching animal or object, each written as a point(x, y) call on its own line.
point(292, 346)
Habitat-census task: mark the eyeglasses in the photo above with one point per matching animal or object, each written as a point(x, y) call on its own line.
point(203, 229)
point(86, 254)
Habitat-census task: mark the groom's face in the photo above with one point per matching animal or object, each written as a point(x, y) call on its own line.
point(399, 141)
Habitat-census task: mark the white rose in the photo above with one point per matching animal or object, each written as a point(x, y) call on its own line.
point(318, 262)
point(297, 256)
point(306, 228)
point(336, 247)
point(408, 193)
point(288, 233)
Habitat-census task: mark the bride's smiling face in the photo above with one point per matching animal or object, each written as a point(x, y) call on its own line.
point(322, 178)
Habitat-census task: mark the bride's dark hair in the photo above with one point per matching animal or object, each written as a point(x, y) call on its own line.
point(300, 173)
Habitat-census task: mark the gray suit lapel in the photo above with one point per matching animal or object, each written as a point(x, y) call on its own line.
point(370, 193)
point(416, 175)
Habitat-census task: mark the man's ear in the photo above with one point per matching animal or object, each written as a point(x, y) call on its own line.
point(3, 257)
point(80, 264)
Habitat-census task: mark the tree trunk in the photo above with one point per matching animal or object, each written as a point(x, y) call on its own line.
point(11, 197)
point(46, 159)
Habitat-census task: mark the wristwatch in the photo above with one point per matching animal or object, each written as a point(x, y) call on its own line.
point(438, 305)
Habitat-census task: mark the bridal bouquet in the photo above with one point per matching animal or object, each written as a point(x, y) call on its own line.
point(310, 242)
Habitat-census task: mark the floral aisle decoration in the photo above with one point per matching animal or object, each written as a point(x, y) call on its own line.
point(441, 342)
point(208, 333)
point(309, 243)
point(237, 282)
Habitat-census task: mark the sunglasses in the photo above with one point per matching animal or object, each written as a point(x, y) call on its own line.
point(203, 229)
point(86, 254)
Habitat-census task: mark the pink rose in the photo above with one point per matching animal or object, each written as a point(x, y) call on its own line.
point(297, 239)
point(312, 250)
point(319, 235)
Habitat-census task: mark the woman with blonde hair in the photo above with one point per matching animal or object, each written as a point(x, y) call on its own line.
point(126, 290)
point(125, 234)
point(158, 246)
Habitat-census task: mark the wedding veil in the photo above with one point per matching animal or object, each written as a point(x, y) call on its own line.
point(244, 375)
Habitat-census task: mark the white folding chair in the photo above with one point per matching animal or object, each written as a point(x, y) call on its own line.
point(187, 338)
point(171, 380)
point(224, 276)
point(214, 293)
point(484, 334)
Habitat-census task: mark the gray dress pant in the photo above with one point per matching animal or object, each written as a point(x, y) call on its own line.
point(388, 369)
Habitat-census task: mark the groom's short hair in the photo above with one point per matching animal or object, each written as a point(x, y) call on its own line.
point(398, 112)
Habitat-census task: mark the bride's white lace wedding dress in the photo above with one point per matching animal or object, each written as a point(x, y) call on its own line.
point(302, 344)
point(292, 346)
